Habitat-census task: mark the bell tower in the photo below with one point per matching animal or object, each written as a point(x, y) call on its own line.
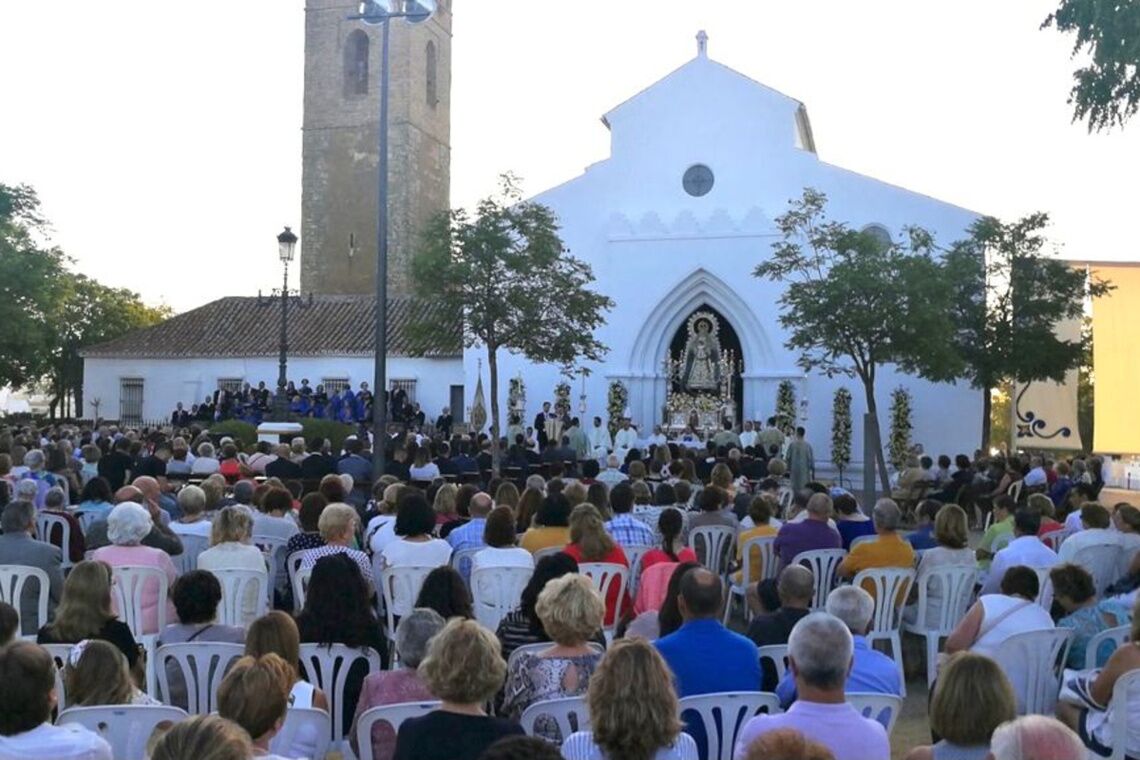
point(339, 144)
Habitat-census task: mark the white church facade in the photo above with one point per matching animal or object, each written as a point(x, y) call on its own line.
point(674, 222)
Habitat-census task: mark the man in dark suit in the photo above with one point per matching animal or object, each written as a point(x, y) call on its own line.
point(18, 547)
point(283, 467)
point(540, 425)
point(443, 423)
point(444, 462)
point(180, 417)
point(318, 463)
point(397, 464)
point(463, 459)
point(353, 463)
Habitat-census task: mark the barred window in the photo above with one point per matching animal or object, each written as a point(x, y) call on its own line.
point(230, 385)
point(408, 386)
point(131, 400)
point(334, 385)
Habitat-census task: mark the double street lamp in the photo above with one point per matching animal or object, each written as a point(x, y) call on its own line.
point(380, 13)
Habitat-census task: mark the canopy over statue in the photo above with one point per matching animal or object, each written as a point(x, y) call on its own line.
point(702, 354)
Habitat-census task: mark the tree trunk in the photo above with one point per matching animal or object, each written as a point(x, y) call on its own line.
point(880, 459)
point(493, 369)
point(987, 411)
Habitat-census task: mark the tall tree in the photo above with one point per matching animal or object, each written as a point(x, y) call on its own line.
point(1106, 91)
point(854, 302)
point(1007, 297)
point(32, 274)
point(507, 275)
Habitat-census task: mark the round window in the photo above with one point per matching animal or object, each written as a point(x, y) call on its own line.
point(698, 180)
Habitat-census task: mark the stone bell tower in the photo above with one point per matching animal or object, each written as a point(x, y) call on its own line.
point(339, 144)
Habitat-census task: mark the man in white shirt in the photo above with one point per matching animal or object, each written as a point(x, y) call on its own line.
point(1095, 522)
point(748, 435)
point(612, 475)
point(600, 440)
point(1036, 476)
point(658, 438)
point(1025, 549)
point(26, 702)
point(625, 439)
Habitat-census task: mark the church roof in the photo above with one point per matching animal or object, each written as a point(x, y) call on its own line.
point(334, 325)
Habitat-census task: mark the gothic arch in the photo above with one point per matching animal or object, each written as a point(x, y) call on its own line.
point(699, 287)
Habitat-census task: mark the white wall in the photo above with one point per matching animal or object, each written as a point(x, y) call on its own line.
point(659, 253)
point(168, 381)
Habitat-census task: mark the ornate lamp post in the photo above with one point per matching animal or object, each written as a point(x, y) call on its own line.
point(379, 13)
point(286, 249)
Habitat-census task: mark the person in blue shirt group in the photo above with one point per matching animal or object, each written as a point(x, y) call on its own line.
point(871, 671)
point(706, 657)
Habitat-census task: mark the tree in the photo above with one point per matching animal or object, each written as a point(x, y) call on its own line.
point(507, 275)
point(1106, 92)
point(1007, 297)
point(32, 274)
point(854, 303)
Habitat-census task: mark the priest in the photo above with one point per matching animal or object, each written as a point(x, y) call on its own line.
point(600, 440)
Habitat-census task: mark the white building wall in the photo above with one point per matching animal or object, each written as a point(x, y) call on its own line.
point(659, 253)
point(168, 381)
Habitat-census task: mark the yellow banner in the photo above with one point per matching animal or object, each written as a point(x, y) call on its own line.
point(1045, 413)
point(1116, 361)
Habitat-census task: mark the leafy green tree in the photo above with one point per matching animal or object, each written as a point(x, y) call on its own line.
point(1007, 297)
point(507, 275)
point(32, 275)
point(854, 303)
point(1106, 91)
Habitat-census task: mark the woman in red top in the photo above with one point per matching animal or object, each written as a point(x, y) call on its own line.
point(589, 542)
point(673, 549)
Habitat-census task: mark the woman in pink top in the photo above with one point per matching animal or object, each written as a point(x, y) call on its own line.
point(127, 525)
point(391, 687)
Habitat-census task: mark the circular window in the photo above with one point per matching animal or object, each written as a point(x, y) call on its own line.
point(880, 234)
point(698, 180)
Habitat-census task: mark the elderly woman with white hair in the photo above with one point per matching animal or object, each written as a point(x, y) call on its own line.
point(405, 684)
point(207, 462)
point(231, 548)
point(127, 525)
point(193, 522)
point(1035, 737)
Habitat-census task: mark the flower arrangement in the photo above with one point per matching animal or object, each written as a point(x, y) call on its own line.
point(899, 446)
point(616, 400)
point(516, 394)
point(786, 404)
point(841, 430)
point(562, 396)
point(702, 402)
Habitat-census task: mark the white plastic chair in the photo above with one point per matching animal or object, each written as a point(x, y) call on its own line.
point(786, 497)
point(604, 575)
point(892, 586)
point(242, 589)
point(769, 563)
point(298, 579)
point(1124, 693)
point(542, 646)
point(955, 585)
point(777, 654)
point(724, 714)
point(127, 587)
point(87, 519)
point(393, 715)
point(1044, 588)
point(547, 552)
point(1100, 559)
point(1118, 636)
point(202, 664)
point(561, 711)
point(823, 563)
point(273, 547)
point(862, 540)
point(59, 653)
point(13, 578)
point(298, 719)
point(884, 708)
point(1014, 490)
point(462, 559)
point(713, 545)
point(1041, 655)
point(327, 668)
point(495, 591)
point(192, 546)
point(633, 554)
point(399, 587)
point(125, 727)
point(46, 522)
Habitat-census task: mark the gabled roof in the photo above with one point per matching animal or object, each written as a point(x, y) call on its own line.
point(333, 325)
point(699, 66)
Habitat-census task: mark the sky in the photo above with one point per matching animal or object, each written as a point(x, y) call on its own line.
point(164, 138)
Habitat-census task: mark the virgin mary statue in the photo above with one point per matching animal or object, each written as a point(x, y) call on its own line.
point(701, 369)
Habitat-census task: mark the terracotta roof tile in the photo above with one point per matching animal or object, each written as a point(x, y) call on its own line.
point(238, 326)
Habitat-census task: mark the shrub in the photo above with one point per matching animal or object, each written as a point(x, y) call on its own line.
point(242, 432)
point(335, 431)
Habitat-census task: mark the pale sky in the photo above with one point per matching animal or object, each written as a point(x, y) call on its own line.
point(164, 138)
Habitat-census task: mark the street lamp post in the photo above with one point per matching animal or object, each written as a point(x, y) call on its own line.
point(286, 248)
point(379, 13)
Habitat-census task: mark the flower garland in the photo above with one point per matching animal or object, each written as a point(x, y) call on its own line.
point(841, 430)
point(786, 404)
point(562, 397)
point(616, 401)
point(899, 446)
point(516, 393)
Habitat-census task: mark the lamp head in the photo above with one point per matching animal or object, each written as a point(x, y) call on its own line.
point(286, 245)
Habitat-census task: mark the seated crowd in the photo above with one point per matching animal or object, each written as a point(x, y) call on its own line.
point(669, 583)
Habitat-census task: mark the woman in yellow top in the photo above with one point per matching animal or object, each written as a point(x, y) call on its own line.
point(760, 510)
point(551, 526)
